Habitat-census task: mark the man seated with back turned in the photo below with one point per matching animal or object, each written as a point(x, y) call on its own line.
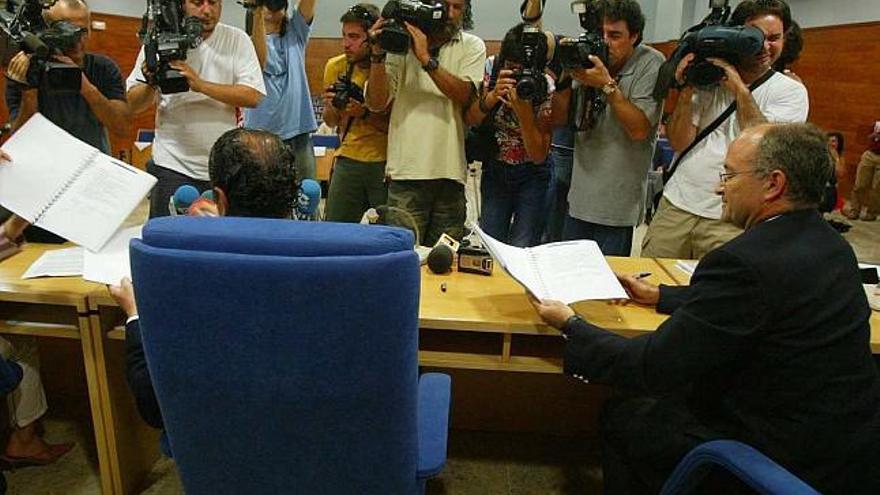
point(253, 175)
point(768, 345)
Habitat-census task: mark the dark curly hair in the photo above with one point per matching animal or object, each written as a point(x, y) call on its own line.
point(256, 171)
point(628, 11)
point(791, 48)
point(512, 47)
point(749, 9)
point(364, 14)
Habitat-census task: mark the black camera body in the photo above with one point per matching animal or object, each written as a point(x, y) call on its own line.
point(345, 89)
point(711, 38)
point(167, 35)
point(428, 17)
point(574, 53)
point(531, 84)
point(22, 28)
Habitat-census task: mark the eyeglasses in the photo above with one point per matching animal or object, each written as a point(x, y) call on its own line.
point(723, 177)
point(363, 13)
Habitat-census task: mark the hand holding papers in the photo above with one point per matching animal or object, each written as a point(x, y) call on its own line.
point(68, 187)
point(568, 271)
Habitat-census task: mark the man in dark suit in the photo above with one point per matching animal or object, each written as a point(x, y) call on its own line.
point(768, 345)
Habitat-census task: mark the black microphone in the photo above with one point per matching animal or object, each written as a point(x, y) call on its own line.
point(440, 259)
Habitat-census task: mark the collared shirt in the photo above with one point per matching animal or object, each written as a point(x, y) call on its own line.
point(364, 141)
point(610, 171)
point(426, 132)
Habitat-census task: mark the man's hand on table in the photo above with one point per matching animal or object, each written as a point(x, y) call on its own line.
point(554, 313)
point(123, 294)
point(639, 291)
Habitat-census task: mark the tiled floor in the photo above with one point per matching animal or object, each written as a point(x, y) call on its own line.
point(479, 463)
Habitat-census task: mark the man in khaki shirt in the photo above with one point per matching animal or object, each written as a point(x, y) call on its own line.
point(430, 86)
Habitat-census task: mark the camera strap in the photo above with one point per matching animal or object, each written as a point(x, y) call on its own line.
point(709, 129)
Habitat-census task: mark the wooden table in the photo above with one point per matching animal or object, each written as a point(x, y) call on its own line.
point(57, 308)
point(133, 446)
point(487, 323)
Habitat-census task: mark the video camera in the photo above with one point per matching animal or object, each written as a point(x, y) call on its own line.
point(22, 28)
point(428, 15)
point(574, 53)
point(712, 38)
point(167, 35)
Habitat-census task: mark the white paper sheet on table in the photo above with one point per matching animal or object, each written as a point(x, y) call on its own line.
point(67, 262)
point(109, 265)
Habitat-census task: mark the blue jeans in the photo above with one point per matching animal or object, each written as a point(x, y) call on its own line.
point(517, 193)
point(613, 241)
point(560, 162)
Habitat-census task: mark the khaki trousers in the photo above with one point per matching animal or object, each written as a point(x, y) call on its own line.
point(675, 233)
point(866, 190)
point(27, 403)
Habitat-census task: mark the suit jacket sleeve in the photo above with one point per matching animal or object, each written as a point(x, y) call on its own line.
point(709, 331)
point(138, 376)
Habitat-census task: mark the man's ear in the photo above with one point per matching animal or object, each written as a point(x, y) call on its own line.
point(775, 185)
point(221, 200)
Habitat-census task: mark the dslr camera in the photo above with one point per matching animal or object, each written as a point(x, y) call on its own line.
point(22, 28)
point(574, 53)
point(345, 89)
point(712, 38)
point(531, 84)
point(428, 15)
point(167, 35)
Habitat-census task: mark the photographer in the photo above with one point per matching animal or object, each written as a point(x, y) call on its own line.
point(688, 221)
point(280, 41)
point(514, 181)
point(223, 74)
point(100, 103)
point(611, 159)
point(358, 181)
point(430, 86)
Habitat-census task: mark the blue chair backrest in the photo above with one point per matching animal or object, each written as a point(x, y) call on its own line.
point(284, 354)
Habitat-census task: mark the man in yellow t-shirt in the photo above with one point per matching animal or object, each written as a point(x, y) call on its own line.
point(358, 181)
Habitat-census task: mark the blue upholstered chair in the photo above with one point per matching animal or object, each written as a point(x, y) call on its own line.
point(752, 467)
point(285, 356)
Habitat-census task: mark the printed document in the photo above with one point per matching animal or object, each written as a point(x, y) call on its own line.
point(68, 187)
point(568, 271)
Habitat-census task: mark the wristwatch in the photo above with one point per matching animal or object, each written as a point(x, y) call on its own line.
point(610, 87)
point(432, 65)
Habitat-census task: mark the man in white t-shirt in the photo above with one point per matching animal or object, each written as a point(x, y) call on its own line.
point(688, 221)
point(223, 74)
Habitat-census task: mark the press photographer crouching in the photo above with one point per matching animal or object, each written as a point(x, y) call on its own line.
point(515, 175)
point(615, 118)
point(358, 181)
point(708, 117)
point(431, 85)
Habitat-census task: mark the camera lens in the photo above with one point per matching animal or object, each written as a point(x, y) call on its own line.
point(527, 88)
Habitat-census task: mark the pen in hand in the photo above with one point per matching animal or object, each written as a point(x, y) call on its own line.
point(642, 275)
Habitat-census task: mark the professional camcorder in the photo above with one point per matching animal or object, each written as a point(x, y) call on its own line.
point(22, 28)
point(711, 38)
point(429, 16)
point(344, 90)
point(574, 53)
point(167, 35)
